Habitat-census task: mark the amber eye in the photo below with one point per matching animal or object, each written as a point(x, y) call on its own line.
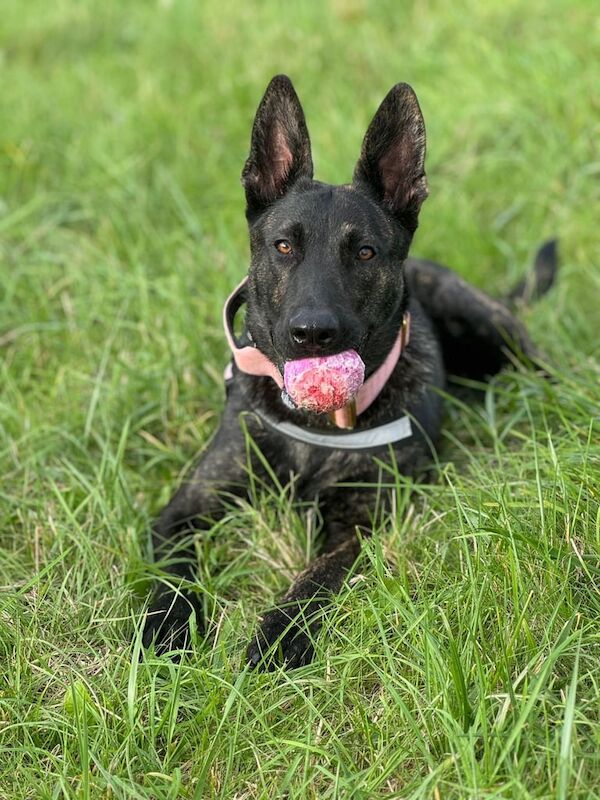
point(365, 253)
point(283, 246)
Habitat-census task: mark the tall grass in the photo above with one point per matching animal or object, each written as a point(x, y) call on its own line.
point(461, 661)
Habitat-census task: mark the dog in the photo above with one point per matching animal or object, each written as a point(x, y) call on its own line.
point(330, 273)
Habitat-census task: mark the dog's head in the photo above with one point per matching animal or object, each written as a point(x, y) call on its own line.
point(326, 268)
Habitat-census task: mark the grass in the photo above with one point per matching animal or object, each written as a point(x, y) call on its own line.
point(463, 660)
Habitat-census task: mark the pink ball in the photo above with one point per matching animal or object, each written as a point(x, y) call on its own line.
point(324, 383)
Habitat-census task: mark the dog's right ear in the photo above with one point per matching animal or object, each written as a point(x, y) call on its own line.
point(279, 148)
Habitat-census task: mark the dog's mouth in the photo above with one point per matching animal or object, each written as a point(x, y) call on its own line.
point(324, 383)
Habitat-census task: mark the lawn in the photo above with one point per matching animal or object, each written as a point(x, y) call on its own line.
point(463, 661)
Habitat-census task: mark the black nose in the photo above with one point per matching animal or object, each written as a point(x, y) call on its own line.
point(314, 330)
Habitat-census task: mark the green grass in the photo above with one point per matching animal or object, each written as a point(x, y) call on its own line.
point(464, 660)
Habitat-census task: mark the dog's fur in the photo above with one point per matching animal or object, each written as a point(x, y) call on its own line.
point(323, 285)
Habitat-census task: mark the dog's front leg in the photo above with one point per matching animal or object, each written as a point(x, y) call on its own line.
point(286, 633)
point(197, 505)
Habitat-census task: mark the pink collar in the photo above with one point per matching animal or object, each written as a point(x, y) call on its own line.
point(250, 360)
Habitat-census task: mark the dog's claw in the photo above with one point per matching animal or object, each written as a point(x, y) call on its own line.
point(282, 640)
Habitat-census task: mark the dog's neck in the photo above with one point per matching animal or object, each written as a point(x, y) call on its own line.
point(250, 360)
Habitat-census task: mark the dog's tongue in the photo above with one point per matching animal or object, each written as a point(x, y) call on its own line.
point(325, 383)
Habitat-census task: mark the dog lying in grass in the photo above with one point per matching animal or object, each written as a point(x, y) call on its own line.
point(346, 345)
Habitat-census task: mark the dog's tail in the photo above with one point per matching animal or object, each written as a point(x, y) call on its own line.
point(540, 279)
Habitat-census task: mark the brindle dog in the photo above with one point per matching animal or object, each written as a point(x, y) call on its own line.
point(329, 272)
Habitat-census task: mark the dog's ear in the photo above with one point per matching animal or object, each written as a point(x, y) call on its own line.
point(392, 159)
point(279, 148)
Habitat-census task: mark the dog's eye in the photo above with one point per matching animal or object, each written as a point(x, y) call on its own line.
point(365, 253)
point(283, 246)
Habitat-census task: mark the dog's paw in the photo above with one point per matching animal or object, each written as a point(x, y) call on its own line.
point(167, 624)
point(284, 638)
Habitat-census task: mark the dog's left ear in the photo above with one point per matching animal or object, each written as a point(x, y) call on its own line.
point(392, 160)
point(279, 148)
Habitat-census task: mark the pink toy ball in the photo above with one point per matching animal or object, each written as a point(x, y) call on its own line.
point(324, 383)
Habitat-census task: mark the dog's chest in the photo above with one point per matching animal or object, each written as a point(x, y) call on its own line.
point(314, 469)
